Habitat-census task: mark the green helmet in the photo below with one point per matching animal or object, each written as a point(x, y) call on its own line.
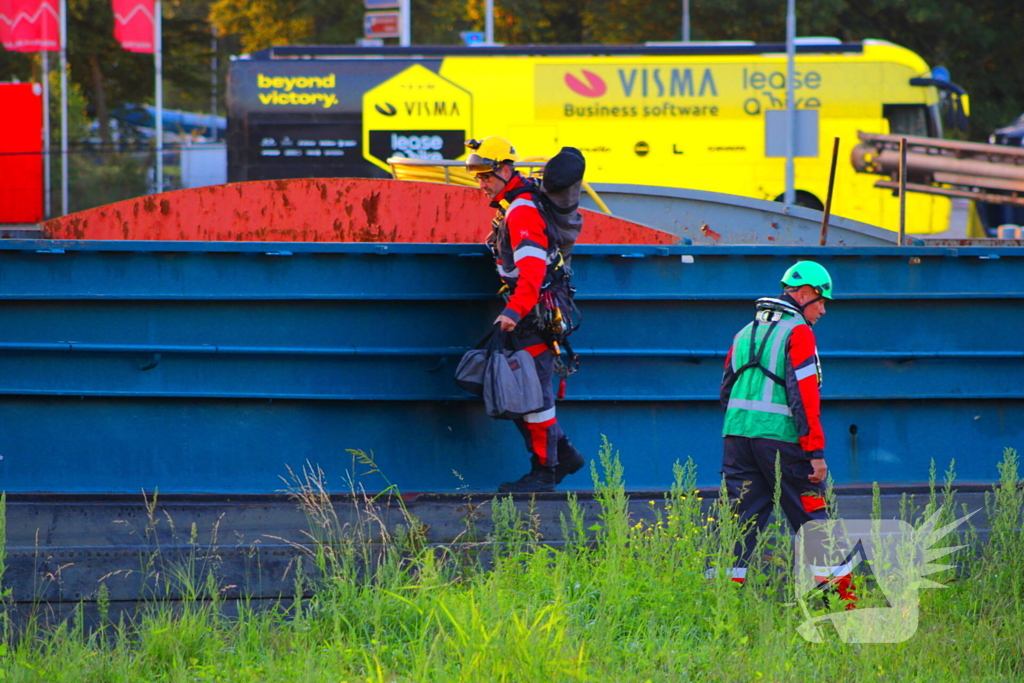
point(809, 273)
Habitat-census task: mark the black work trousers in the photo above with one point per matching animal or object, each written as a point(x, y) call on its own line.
point(749, 468)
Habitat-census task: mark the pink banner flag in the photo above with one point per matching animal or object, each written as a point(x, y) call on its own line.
point(133, 24)
point(30, 25)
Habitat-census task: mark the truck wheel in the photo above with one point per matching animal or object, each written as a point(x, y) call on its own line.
point(805, 199)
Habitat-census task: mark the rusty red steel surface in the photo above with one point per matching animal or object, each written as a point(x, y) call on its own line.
point(317, 210)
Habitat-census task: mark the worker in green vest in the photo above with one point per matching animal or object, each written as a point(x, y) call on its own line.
point(772, 399)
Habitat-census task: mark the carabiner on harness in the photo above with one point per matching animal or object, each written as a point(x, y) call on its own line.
point(554, 314)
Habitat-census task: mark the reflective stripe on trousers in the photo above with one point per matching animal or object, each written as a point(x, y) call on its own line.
point(540, 430)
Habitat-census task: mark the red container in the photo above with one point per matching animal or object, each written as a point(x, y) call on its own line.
point(21, 153)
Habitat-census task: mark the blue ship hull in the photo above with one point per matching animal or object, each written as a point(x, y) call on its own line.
point(191, 368)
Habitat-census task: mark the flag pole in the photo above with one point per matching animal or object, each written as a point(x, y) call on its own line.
point(64, 107)
point(45, 64)
point(159, 63)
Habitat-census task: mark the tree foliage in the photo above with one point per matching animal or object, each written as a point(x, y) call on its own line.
point(111, 77)
point(975, 40)
point(267, 23)
point(979, 41)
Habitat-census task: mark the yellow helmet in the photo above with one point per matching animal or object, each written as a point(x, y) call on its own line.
point(488, 153)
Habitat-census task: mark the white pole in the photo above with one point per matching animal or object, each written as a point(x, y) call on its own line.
point(686, 21)
point(46, 133)
point(213, 79)
point(790, 109)
point(405, 30)
point(489, 22)
point(158, 58)
point(64, 107)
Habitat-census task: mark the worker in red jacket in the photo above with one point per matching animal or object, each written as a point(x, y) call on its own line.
point(771, 395)
point(526, 252)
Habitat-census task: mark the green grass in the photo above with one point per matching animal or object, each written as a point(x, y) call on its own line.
point(633, 606)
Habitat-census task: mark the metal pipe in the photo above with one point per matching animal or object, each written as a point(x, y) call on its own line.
point(838, 355)
point(405, 23)
point(867, 159)
point(828, 198)
point(64, 107)
point(790, 195)
point(981, 172)
point(902, 239)
point(946, 147)
point(158, 64)
point(45, 66)
point(489, 22)
point(694, 354)
point(949, 192)
point(214, 349)
point(213, 82)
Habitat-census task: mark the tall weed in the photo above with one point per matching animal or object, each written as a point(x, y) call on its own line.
point(627, 598)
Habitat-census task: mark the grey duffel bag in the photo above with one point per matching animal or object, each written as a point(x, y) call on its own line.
point(470, 373)
point(505, 374)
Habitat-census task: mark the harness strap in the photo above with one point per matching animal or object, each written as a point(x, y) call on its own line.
point(557, 298)
point(756, 354)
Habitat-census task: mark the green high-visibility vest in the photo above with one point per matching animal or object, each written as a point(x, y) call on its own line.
point(757, 405)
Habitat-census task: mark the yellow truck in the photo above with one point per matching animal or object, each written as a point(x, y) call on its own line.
point(694, 115)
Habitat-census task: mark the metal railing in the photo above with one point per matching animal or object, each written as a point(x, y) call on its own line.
point(455, 173)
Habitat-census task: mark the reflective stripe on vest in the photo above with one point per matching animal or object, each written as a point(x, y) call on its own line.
point(758, 406)
point(519, 201)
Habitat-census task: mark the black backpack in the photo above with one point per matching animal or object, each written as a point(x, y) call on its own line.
point(557, 197)
point(560, 196)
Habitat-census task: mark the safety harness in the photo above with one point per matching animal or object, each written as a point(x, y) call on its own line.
point(768, 311)
point(556, 316)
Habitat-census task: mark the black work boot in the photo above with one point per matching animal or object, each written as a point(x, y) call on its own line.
point(537, 480)
point(570, 461)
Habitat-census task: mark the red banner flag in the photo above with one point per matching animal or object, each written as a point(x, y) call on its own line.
point(133, 25)
point(30, 25)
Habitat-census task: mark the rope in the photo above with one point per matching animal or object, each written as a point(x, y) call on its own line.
point(458, 175)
